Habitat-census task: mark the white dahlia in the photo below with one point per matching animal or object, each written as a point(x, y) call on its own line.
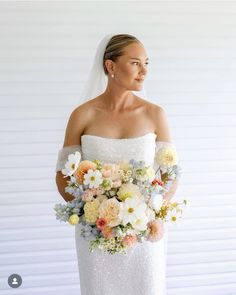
point(128, 190)
point(166, 156)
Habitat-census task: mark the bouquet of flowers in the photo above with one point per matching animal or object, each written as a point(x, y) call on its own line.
point(120, 204)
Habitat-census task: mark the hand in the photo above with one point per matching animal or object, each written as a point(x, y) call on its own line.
point(171, 192)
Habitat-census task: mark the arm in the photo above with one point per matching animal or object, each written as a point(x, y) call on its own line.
point(61, 184)
point(163, 134)
point(74, 129)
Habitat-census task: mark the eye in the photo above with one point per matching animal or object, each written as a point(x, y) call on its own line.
point(135, 62)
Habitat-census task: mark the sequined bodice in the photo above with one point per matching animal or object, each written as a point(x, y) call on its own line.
point(140, 148)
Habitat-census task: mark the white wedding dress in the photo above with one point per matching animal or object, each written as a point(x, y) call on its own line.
point(143, 270)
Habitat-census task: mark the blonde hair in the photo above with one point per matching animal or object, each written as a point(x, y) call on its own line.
point(115, 47)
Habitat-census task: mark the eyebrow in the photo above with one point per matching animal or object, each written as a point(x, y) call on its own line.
point(138, 58)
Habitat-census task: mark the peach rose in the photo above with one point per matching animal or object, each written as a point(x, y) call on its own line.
point(110, 209)
point(129, 240)
point(82, 169)
point(110, 170)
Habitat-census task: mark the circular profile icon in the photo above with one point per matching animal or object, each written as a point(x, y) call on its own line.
point(14, 280)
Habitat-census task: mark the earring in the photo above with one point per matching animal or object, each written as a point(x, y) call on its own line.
point(112, 76)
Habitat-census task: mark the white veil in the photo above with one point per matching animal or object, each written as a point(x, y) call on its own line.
point(97, 80)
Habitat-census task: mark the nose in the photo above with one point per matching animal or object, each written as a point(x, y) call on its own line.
point(143, 72)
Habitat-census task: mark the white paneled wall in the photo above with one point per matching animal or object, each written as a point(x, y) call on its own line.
point(46, 49)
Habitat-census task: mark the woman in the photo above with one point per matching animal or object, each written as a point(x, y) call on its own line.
point(118, 125)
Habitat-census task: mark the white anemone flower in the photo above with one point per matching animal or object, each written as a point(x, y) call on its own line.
point(93, 178)
point(72, 164)
point(132, 209)
point(155, 202)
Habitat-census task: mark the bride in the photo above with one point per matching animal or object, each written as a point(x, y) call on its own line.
point(113, 123)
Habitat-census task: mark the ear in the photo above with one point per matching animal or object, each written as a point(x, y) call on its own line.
point(110, 65)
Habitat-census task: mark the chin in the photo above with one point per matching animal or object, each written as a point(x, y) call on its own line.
point(138, 88)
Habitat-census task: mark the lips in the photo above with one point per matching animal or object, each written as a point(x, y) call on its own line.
point(139, 80)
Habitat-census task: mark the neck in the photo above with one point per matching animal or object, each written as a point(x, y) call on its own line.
point(118, 99)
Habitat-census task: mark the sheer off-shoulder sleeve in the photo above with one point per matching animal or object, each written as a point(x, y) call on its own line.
point(160, 144)
point(63, 155)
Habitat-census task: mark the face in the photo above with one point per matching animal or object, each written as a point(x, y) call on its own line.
point(130, 69)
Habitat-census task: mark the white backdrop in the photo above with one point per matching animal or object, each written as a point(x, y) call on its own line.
point(46, 49)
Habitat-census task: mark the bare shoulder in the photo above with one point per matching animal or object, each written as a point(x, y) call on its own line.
point(82, 111)
point(150, 107)
point(160, 121)
point(154, 110)
point(76, 124)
